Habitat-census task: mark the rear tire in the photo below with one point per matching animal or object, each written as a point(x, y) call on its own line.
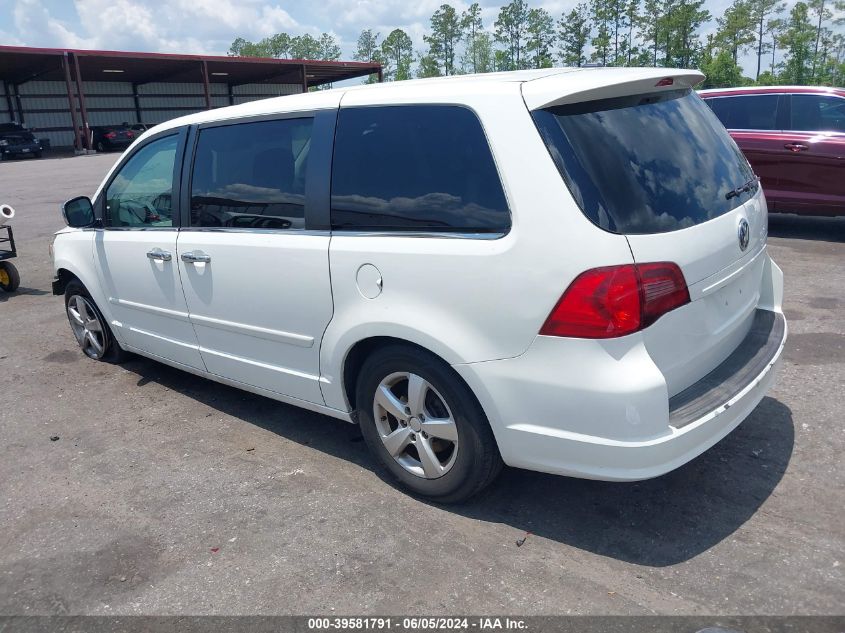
point(89, 326)
point(10, 279)
point(432, 434)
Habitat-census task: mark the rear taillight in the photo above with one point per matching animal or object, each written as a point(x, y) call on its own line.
point(110, 134)
point(617, 300)
point(129, 134)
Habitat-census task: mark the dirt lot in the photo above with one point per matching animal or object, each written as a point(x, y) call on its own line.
point(156, 469)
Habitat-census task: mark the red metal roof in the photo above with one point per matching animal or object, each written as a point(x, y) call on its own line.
point(19, 64)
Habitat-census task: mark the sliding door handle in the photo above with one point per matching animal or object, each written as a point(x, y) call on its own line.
point(796, 147)
point(159, 255)
point(196, 257)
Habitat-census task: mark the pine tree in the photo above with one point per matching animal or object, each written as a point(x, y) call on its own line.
point(761, 10)
point(446, 32)
point(368, 49)
point(541, 36)
point(600, 16)
point(632, 19)
point(472, 27)
point(511, 30)
point(736, 30)
point(573, 35)
point(397, 52)
point(797, 39)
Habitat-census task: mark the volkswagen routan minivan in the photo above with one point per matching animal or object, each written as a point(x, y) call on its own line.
point(563, 270)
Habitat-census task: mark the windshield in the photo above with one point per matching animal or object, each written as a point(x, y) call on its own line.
point(647, 163)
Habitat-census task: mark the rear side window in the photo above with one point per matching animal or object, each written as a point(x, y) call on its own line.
point(413, 168)
point(818, 113)
point(747, 112)
point(646, 163)
point(251, 175)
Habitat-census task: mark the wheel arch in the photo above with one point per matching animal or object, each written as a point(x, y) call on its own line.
point(362, 349)
point(63, 277)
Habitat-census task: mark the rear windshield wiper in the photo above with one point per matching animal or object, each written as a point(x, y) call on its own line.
point(741, 189)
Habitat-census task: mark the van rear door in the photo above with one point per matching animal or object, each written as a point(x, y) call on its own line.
point(648, 159)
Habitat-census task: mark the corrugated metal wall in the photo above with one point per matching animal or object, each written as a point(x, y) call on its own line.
point(5, 115)
point(46, 111)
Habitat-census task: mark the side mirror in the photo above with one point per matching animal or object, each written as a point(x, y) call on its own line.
point(79, 212)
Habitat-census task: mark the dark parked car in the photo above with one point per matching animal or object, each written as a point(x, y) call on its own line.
point(111, 137)
point(794, 138)
point(16, 140)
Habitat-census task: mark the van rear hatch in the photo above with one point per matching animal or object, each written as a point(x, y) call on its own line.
point(644, 157)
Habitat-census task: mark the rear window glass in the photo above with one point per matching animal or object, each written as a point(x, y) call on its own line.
point(647, 163)
point(415, 168)
point(748, 112)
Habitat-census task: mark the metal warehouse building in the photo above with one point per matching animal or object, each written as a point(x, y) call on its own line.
point(61, 93)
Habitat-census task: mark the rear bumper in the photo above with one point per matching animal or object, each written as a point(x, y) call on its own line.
point(600, 409)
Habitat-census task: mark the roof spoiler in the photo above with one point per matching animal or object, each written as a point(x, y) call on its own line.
point(604, 83)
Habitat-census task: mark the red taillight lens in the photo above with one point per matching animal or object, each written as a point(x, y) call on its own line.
point(666, 81)
point(110, 134)
point(129, 134)
point(663, 289)
point(617, 300)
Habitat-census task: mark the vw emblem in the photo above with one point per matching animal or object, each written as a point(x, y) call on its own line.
point(744, 234)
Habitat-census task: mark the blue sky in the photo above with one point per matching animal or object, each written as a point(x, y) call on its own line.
point(209, 26)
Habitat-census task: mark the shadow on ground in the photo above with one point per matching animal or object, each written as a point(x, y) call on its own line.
point(807, 228)
point(658, 522)
point(8, 296)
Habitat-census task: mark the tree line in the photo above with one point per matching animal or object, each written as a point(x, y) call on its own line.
point(801, 44)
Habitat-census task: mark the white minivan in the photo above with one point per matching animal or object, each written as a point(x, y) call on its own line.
point(563, 270)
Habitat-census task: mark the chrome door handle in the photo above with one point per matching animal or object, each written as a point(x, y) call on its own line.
point(796, 147)
point(159, 255)
point(196, 257)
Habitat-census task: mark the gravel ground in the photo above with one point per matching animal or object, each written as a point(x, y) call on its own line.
point(170, 494)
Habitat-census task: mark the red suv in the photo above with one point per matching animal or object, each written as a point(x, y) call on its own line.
point(794, 138)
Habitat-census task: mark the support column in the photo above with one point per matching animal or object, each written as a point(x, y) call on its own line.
point(380, 74)
point(231, 94)
point(137, 103)
point(205, 85)
point(82, 109)
point(77, 143)
point(20, 103)
point(304, 79)
point(11, 106)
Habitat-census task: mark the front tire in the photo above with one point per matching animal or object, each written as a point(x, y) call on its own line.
point(89, 327)
point(425, 425)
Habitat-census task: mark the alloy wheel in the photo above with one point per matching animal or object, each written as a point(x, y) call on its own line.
point(416, 425)
point(87, 327)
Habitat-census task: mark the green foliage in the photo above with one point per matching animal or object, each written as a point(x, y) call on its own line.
point(446, 32)
point(477, 51)
point(806, 47)
point(368, 49)
point(798, 40)
point(600, 15)
point(736, 29)
point(512, 31)
point(722, 71)
point(398, 51)
point(573, 35)
point(541, 36)
point(428, 67)
point(763, 22)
